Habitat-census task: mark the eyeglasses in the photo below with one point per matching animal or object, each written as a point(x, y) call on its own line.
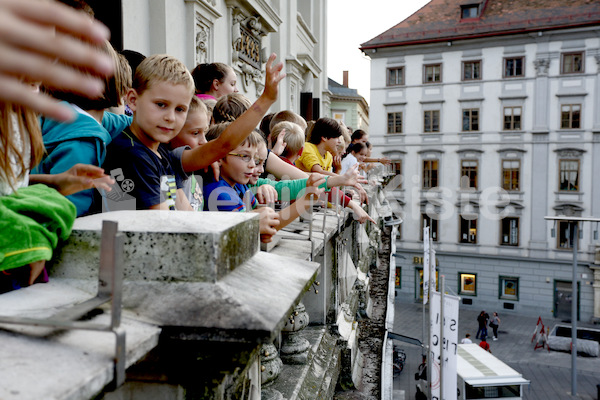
point(246, 158)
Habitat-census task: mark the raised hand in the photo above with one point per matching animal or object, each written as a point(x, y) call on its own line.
point(272, 78)
point(279, 146)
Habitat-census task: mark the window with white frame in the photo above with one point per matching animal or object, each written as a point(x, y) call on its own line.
point(512, 118)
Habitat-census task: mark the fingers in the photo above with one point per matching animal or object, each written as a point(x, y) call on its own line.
point(62, 17)
point(13, 91)
point(104, 183)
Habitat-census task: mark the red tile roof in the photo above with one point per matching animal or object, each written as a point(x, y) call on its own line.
point(440, 20)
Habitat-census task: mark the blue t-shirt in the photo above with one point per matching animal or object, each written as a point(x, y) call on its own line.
point(142, 174)
point(220, 196)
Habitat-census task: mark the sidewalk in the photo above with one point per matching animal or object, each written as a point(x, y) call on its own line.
point(549, 372)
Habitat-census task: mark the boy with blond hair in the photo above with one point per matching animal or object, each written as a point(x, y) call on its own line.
point(293, 139)
point(160, 98)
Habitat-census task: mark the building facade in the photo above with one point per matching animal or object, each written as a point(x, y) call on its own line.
point(348, 106)
point(490, 111)
point(239, 33)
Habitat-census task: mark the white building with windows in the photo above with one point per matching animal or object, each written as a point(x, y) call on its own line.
point(490, 110)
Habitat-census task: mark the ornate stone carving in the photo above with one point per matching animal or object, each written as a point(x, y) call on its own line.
point(294, 348)
point(246, 33)
point(541, 66)
point(202, 36)
point(570, 153)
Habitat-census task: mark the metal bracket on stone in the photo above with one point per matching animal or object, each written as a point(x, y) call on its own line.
point(110, 288)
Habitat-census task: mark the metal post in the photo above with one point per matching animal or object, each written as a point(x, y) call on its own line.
point(574, 313)
point(442, 286)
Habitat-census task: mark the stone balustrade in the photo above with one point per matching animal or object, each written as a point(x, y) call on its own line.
point(203, 310)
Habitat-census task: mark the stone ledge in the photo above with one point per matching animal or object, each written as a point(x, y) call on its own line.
point(41, 363)
point(162, 245)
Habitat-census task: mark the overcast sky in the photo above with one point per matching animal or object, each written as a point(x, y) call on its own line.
point(352, 22)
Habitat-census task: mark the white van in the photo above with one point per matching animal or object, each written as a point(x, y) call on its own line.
point(482, 376)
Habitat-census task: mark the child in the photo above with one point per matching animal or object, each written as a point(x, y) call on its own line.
point(227, 193)
point(292, 135)
point(317, 155)
point(356, 155)
point(214, 80)
point(32, 218)
point(160, 98)
point(229, 107)
point(193, 135)
point(281, 116)
point(84, 140)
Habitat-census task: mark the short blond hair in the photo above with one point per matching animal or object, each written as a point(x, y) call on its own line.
point(161, 68)
point(293, 137)
point(253, 139)
point(197, 105)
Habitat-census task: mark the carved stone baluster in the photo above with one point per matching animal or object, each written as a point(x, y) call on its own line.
point(294, 348)
point(270, 368)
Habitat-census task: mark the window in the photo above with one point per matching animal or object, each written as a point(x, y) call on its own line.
point(432, 73)
point(512, 118)
point(513, 67)
point(470, 11)
point(509, 231)
point(471, 70)
point(570, 116)
point(468, 230)
point(430, 174)
point(431, 121)
point(395, 76)
point(398, 279)
point(468, 173)
point(509, 287)
point(568, 175)
point(566, 231)
point(432, 223)
point(397, 171)
point(470, 120)
point(468, 284)
point(510, 174)
point(572, 63)
point(395, 122)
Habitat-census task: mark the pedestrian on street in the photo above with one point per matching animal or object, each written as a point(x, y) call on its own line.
point(466, 339)
point(494, 324)
point(482, 320)
point(484, 344)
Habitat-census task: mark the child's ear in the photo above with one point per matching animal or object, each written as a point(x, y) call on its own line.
point(215, 84)
point(131, 98)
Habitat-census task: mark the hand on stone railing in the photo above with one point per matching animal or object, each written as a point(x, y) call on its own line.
point(359, 214)
point(269, 221)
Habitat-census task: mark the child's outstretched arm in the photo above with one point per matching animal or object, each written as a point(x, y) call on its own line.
point(77, 178)
point(238, 130)
point(29, 49)
point(293, 211)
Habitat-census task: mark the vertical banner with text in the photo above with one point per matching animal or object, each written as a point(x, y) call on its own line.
point(426, 266)
point(449, 341)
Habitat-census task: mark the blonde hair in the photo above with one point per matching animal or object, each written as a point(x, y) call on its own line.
point(123, 75)
point(253, 139)
point(293, 137)
point(230, 107)
point(161, 68)
point(287, 115)
point(13, 151)
point(198, 105)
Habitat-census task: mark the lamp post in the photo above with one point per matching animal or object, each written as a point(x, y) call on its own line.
point(575, 222)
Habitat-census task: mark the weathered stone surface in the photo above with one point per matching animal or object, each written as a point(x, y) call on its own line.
point(251, 303)
point(163, 246)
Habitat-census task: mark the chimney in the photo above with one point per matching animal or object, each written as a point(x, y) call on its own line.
point(345, 78)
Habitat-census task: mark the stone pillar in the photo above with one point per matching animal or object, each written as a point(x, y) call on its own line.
point(596, 286)
point(539, 161)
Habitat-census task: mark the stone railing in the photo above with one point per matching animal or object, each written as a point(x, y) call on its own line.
point(206, 313)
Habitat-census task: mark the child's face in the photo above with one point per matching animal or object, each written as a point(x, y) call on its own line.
point(235, 169)
point(229, 84)
point(361, 155)
point(160, 111)
point(260, 167)
point(331, 144)
point(193, 132)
